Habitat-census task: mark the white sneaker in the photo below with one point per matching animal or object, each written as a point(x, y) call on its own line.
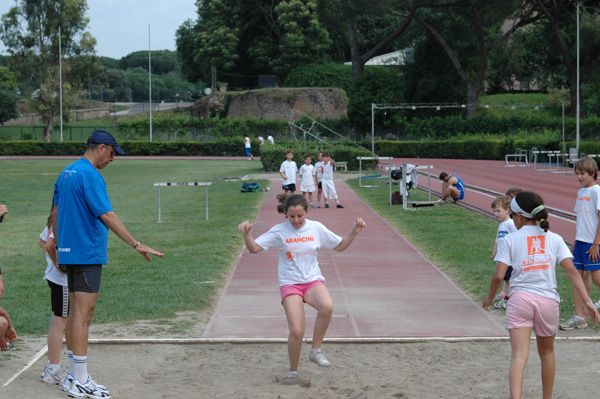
point(319, 358)
point(597, 306)
point(57, 377)
point(67, 382)
point(88, 390)
point(573, 323)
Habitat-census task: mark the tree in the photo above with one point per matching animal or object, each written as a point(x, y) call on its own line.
point(8, 98)
point(30, 33)
point(251, 37)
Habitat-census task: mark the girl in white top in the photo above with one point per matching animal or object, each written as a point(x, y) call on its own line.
point(533, 252)
point(300, 280)
point(307, 173)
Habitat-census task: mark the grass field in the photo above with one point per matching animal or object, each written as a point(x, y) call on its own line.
point(197, 251)
point(459, 241)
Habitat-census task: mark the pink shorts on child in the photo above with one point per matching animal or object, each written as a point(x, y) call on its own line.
point(298, 289)
point(531, 310)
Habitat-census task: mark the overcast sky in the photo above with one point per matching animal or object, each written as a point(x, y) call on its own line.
point(121, 26)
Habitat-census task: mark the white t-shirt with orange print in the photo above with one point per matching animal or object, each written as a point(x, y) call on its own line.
point(299, 250)
point(533, 254)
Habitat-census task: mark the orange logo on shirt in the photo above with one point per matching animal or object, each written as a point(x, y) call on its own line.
point(536, 245)
point(290, 256)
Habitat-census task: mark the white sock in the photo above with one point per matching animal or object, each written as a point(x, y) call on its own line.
point(71, 365)
point(53, 367)
point(80, 363)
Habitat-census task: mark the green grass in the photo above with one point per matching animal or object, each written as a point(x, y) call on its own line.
point(195, 250)
point(525, 103)
point(458, 241)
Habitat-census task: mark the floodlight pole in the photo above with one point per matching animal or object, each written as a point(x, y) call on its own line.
point(150, 80)
point(373, 128)
point(578, 110)
point(60, 83)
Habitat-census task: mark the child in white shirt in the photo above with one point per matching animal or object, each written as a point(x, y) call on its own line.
point(328, 185)
point(501, 207)
point(307, 173)
point(288, 172)
point(300, 280)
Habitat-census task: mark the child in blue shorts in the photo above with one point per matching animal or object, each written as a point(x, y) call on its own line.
point(585, 251)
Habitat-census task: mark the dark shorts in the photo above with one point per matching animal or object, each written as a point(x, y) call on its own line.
point(320, 186)
point(289, 187)
point(59, 295)
point(84, 278)
point(508, 273)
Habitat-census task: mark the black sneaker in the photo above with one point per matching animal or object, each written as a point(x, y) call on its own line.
point(326, 205)
point(339, 206)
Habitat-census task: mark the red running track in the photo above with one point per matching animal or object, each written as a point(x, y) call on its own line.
point(558, 190)
point(381, 286)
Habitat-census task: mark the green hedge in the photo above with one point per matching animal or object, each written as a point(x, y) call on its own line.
point(273, 155)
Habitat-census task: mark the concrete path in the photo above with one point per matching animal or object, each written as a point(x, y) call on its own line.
point(381, 286)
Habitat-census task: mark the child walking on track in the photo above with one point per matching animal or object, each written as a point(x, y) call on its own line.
point(300, 280)
point(328, 185)
point(307, 173)
point(54, 372)
point(533, 252)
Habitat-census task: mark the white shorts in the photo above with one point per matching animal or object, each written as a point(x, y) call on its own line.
point(329, 189)
point(308, 187)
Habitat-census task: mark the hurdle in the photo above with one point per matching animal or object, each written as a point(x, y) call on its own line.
point(183, 184)
point(550, 155)
point(518, 157)
point(413, 204)
point(360, 159)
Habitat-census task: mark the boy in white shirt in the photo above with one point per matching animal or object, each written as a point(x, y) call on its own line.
point(288, 172)
point(585, 251)
point(501, 207)
point(319, 177)
point(328, 186)
point(307, 173)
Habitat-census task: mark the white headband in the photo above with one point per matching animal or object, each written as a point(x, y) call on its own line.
point(517, 209)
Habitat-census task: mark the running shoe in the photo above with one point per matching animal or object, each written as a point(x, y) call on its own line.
point(339, 206)
point(597, 306)
point(57, 377)
point(319, 358)
point(326, 205)
point(501, 304)
point(573, 323)
point(88, 390)
point(318, 205)
point(67, 382)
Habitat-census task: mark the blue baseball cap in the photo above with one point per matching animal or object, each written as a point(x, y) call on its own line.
point(104, 137)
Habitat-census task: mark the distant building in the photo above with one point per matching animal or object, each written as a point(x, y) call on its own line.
point(399, 57)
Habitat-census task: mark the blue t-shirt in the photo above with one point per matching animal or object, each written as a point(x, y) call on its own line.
point(81, 196)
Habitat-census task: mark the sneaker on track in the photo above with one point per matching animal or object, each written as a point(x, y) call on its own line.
point(57, 377)
point(88, 390)
point(319, 358)
point(318, 205)
point(597, 306)
point(573, 323)
point(339, 206)
point(326, 205)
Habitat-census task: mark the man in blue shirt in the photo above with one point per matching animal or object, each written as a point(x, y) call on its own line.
point(82, 216)
point(452, 187)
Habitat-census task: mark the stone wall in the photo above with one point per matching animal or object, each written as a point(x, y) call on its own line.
point(75, 115)
point(318, 103)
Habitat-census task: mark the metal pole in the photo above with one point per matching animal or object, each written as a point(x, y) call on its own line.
point(150, 80)
point(578, 111)
point(158, 204)
point(60, 82)
point(206, 194)
point(373, 128)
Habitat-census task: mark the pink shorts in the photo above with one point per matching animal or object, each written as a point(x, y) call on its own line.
point(298, 289)
point(531, 310)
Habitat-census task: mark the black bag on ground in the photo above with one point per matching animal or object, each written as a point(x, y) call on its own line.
point(250, 188)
